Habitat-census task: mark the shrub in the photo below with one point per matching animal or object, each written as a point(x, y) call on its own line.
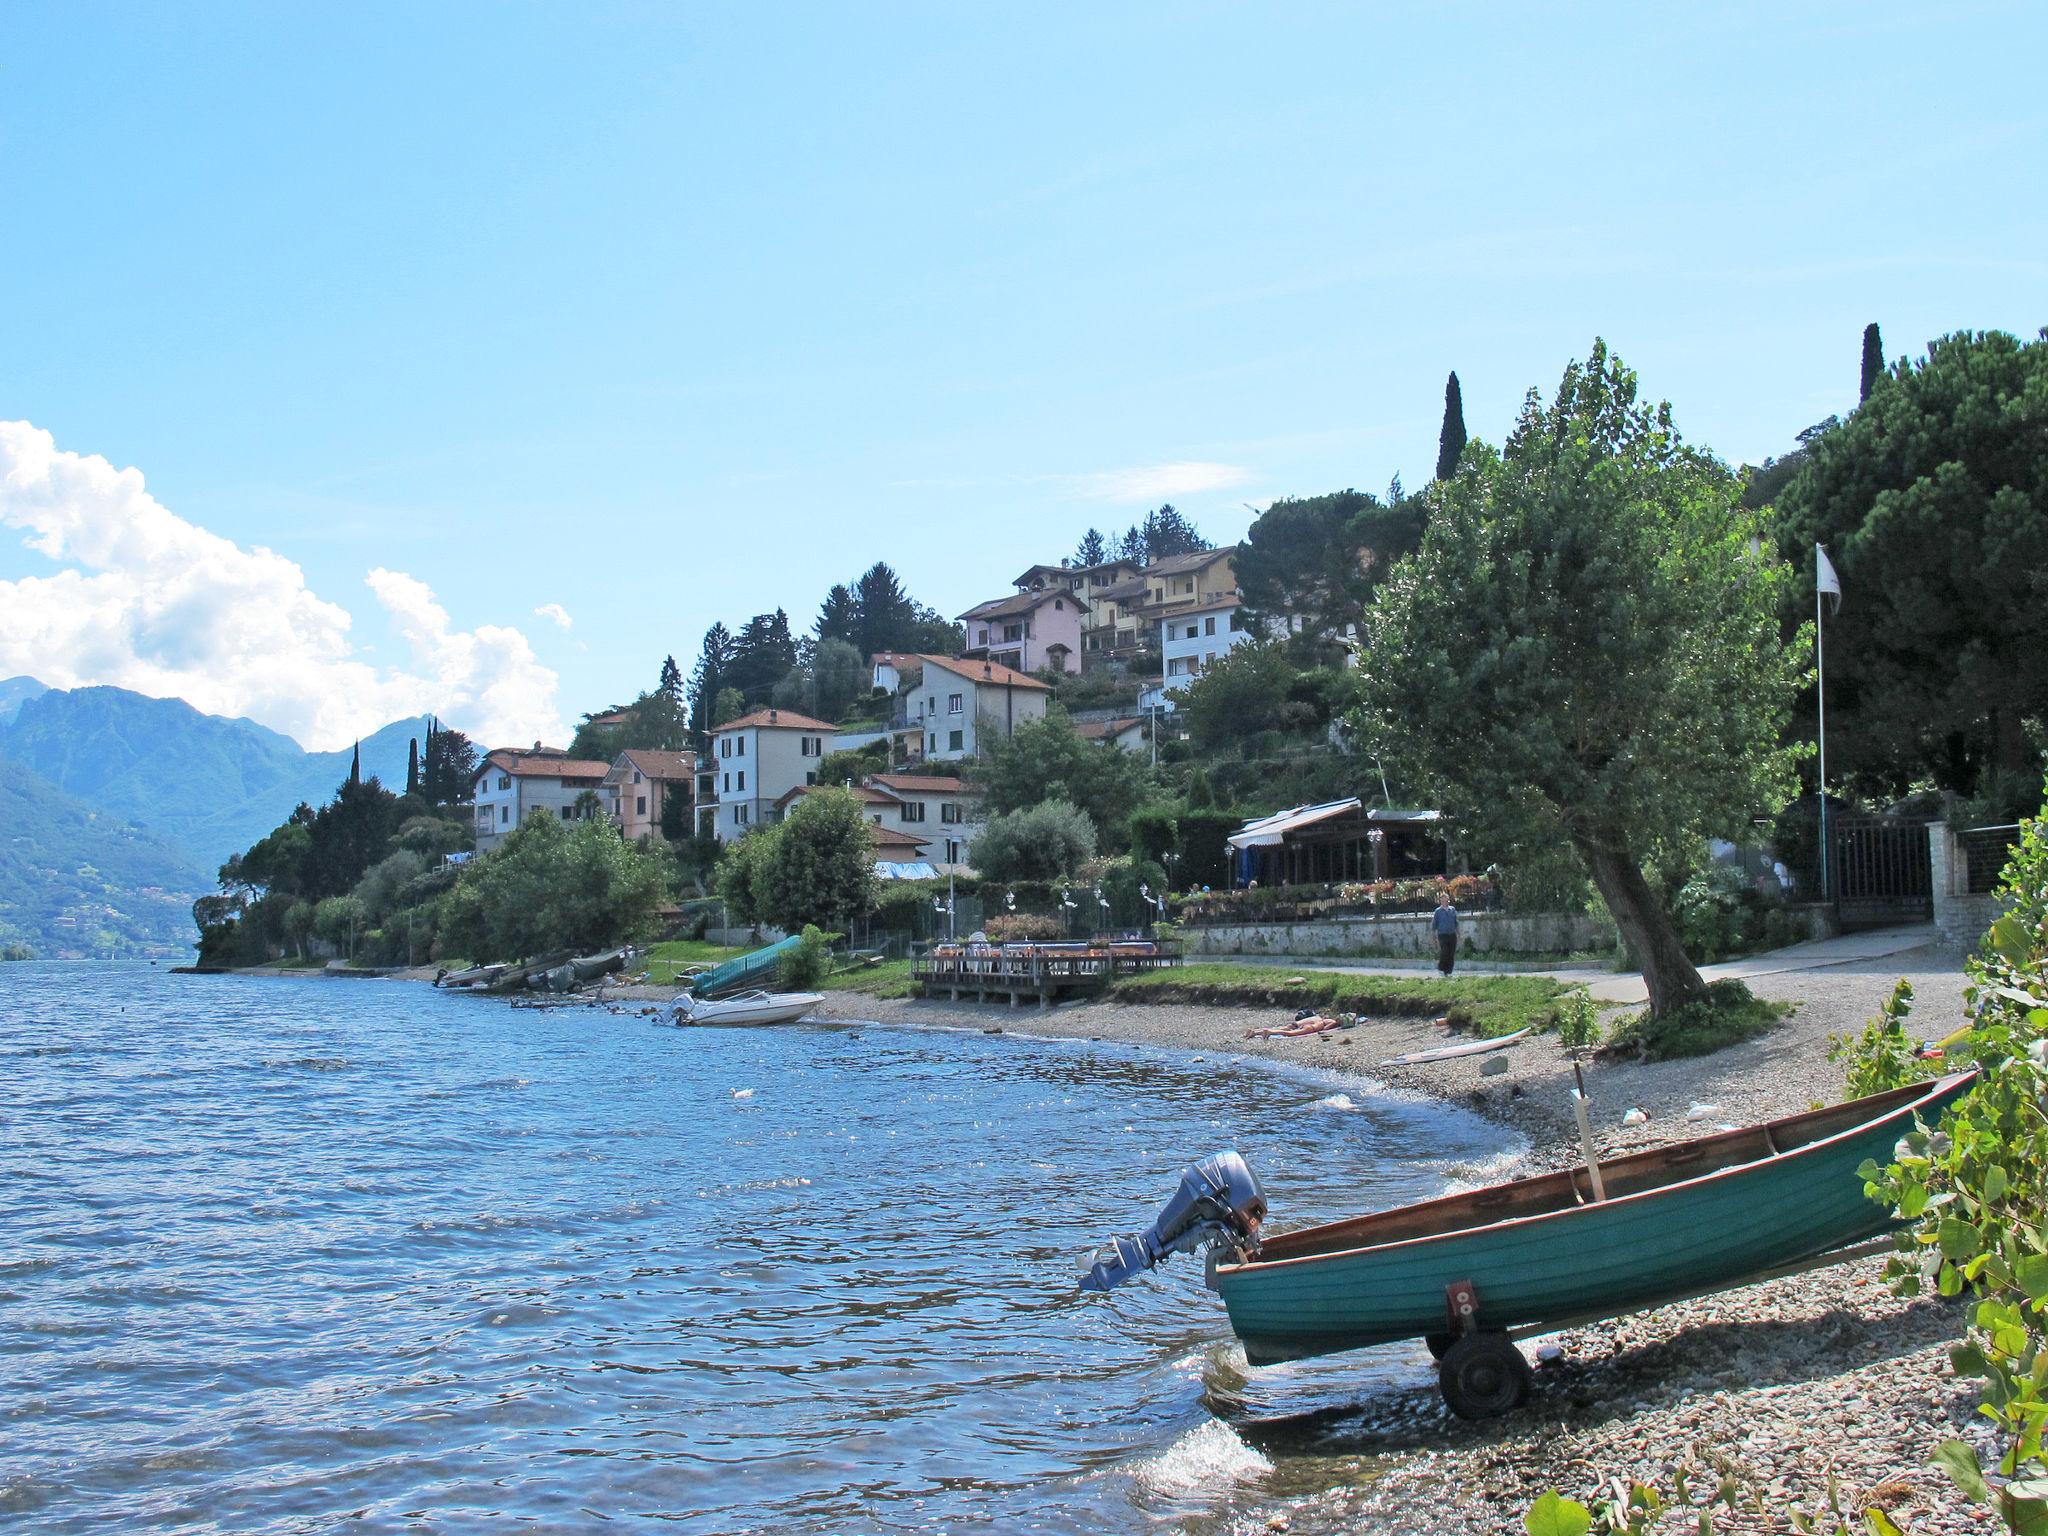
point(1019, 927)
point(802, 968)
point(1729, 1014)
point(1882, 1056)
point(1045, 842)
point(1578, 1020)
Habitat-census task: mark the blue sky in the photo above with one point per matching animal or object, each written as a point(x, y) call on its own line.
point(663, 315)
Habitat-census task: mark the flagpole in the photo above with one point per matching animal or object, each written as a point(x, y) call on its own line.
point(1821, 700)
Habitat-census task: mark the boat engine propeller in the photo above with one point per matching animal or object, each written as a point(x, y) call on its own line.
point(1219, 1200)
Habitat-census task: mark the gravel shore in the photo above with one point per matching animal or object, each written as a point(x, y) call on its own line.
point(1785, 1384)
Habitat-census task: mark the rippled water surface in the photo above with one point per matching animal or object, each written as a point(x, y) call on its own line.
point(298, 1255)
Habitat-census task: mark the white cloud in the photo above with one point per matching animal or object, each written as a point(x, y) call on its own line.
point(555, 614)
point(1159, 482)
point(152, 603)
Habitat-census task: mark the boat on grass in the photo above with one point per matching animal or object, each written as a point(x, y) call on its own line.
point(1469, 1272)
point(744, 1008)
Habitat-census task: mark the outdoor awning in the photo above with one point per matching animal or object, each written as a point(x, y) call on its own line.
point(1271, 831)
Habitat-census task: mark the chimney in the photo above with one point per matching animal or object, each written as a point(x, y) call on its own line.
point(536, 746)
point(771, 717)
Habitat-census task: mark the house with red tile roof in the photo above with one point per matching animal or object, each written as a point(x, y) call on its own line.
point(757, 760)
point(1030, 631)
point(945, 706)
point(514, 784)
point(639, 785)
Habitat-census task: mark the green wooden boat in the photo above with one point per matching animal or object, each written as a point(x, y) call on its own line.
point(1542, 1253)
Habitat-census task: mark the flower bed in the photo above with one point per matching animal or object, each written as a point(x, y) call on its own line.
point(1302, 903)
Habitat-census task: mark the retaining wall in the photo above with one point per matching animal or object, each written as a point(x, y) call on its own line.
point(1961, 917)
point(1479, 933)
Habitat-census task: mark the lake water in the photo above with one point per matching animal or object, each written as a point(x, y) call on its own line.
point(284, 1256)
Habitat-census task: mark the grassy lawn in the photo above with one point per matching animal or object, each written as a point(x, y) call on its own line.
point(889, 979)
point(1484, 1005)
point(663, 959)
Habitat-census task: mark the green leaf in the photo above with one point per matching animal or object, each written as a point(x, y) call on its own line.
point(1995, 1185)
point(1552, 1515)
point(1880, 1523)
point(2009, 937)
point(2028, 1488)
point(1968, 1359)
point(1957, 1237)
point(1958, 1461)
point(2025, 1517)
point(2031, 1275)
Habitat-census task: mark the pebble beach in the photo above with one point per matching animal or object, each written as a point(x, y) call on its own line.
point(1788, 1386)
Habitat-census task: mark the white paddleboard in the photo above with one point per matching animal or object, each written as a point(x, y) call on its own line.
point(1449, 1052)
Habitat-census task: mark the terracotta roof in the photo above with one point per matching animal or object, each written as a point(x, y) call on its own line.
point(661, 765)
point(861, 792)
point(918, 783)
point(1096, 730)
point(988, 673)
point(1177, 565)
point(617, 716)
point(891, 658)
point(889, 837)
point(541, 763)
point(773, 720)
point(1022, 602)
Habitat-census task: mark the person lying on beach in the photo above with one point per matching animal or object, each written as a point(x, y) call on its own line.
point(1304, 1024)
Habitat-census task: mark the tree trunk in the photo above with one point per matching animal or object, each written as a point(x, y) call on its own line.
point(1673, 980)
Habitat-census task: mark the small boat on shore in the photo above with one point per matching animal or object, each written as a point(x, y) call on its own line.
point(744, 1008)
point(1470, 1272)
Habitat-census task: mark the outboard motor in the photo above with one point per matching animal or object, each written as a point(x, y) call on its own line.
point(1219, 1200)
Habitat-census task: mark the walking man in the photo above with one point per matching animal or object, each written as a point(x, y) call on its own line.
point(1446, 925)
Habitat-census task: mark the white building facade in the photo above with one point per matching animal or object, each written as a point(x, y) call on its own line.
point(1191, 641)
point(758, 759)
point(511, 787)
point(947, 706)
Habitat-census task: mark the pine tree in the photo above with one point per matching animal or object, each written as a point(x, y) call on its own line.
point(838, 615)
point(412, 766)
point(708, 676)
point(1873, 360)
point(885, 618)
point(1450, 444)
point(1094, 548)
point(355, 765)
point(671, 685)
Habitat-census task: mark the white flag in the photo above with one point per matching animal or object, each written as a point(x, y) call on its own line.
point(1825, 579)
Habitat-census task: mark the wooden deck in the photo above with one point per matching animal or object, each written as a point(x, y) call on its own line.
point(1043, 973)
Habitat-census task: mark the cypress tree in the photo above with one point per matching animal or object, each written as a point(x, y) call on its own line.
point(412, 766)
point(1451, 442)
point(1873, 360)
point(355, 765)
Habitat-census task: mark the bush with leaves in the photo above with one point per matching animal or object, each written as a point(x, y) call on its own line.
point(1883, 1055)
point(820, 866)
point(1976, 1192)
point(1048, 841)
point(803, 967)
point(553, 886)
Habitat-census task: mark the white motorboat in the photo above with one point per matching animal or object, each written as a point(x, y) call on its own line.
point(744, 1008)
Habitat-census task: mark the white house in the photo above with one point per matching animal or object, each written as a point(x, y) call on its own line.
point(938, 809)
point(1129, 733)
point(512, 786)
point(945, 706)
point(1192, 639)
point(758, 759)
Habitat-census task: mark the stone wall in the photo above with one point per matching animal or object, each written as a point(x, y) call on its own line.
point(1479, 933)
point(1961, 917)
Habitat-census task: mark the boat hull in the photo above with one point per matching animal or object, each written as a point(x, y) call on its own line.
point(786, 1009)
point(1585, 1261)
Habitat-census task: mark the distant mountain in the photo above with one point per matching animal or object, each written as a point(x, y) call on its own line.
point(208, 786)
point(16, 691)
point(77, 884)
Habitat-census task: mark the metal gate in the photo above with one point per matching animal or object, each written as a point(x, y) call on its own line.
point(1880, 871)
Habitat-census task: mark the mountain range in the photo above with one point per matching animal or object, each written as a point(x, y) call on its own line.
point(111, 798)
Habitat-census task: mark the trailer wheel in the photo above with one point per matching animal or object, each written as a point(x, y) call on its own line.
point(1484, 1376)
point(1439, 1344)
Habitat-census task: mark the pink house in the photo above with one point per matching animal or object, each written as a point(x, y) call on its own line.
point(1028, 632)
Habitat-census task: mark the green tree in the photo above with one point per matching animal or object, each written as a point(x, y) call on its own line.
point(412, 766)
point(884, 616)
point(1450, 442)
point(678, 814)
point(837, 615)
point(554, 885)
point(339, 920)
point(449, 770)
point(1048, 841)
point(743, 874)
point(821, 868)
point(1165, 531)
point(730, 706)
point(1243, 692)
point(1048, 760)
point(1873, 360)
point(1585, 648)
point(1932, 500)
point(839, 769)
point(1093, 549)
point(707, 677)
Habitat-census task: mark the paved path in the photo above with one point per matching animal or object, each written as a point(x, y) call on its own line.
point(1626, 987)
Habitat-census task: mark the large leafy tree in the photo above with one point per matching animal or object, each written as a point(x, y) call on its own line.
point(1049, 841)
point(1317, 558)
point(551, 886)
point(1586, 648)
point(1932, 500)
point(820, 867)
point(1047, 759)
